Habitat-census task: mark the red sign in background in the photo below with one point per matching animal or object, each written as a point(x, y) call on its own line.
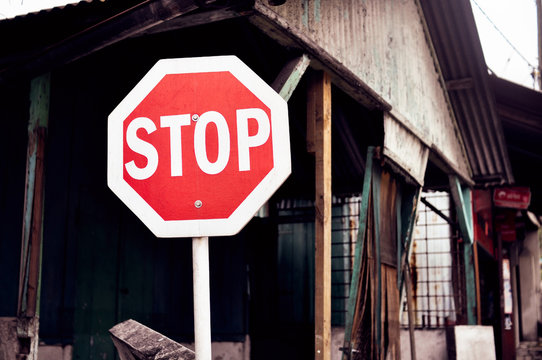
point(512, 197)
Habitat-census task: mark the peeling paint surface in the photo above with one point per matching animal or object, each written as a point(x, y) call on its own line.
point(384, 44)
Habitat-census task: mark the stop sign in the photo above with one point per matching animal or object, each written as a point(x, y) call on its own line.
point(198, 146)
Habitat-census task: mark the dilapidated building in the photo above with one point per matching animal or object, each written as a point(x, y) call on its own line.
point(387, 98)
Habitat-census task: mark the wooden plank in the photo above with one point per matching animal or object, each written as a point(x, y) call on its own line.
point(320, 94)
point(407, 239)
point(462, 200)
point(356, 267)
point(403, 274)
point(30, 266)
point(289, 77)
point(392, 314)
point(31, 243)
point(136, 341)
point(378, 262)
point(34, 263)
point(196, 19)
point(463, 206)
point(410, 308)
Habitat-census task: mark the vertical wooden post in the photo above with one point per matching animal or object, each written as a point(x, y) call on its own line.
point(31, 244)
point(319, 114)
point(356, 267)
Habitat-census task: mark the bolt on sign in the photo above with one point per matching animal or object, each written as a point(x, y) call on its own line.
point(198, 146)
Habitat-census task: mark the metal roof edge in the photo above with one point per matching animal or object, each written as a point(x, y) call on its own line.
point(459, 53)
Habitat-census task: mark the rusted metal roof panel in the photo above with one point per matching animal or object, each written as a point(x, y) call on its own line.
point(457, 45)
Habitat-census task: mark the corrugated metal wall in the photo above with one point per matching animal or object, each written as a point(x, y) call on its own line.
point(384, 44)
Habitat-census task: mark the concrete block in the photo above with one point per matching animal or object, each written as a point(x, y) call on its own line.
point(9, 344)
point(430, 344)
point(55, 352)
point(472, 343)
point(135, 341)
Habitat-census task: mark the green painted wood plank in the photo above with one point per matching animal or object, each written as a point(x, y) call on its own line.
point(354, 282)
point(463, 206)
point(28, 303)
point(409, 231)
point(462, 199)
point(289, 77)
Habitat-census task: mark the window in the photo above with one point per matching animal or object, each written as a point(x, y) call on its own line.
point(433, 262)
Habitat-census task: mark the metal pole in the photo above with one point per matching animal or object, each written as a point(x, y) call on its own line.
point(202, 303)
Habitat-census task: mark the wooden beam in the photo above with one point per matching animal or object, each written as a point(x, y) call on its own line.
point(196, 19)
point(378, 313)
point(289, 77)
point(136, 341)
point(30, 266)
point(463, 206)
point(319, 112)
point(31, 243)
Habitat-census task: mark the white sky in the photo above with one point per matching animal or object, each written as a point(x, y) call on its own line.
point(516, 19)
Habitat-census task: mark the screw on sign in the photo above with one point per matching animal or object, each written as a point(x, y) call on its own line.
point(198, 146)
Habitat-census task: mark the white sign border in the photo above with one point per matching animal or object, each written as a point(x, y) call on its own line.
point(254, 201)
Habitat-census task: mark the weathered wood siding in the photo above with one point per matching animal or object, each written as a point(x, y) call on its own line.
point(405, 149)
point(385, 45)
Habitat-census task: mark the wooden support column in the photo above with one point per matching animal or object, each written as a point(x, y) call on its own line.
point(462, 199)
point(31, 244)
point(319, 118)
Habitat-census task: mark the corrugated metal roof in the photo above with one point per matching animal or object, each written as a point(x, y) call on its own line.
point(457, 45)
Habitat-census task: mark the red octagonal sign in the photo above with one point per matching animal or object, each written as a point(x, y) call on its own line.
point(198, 146)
